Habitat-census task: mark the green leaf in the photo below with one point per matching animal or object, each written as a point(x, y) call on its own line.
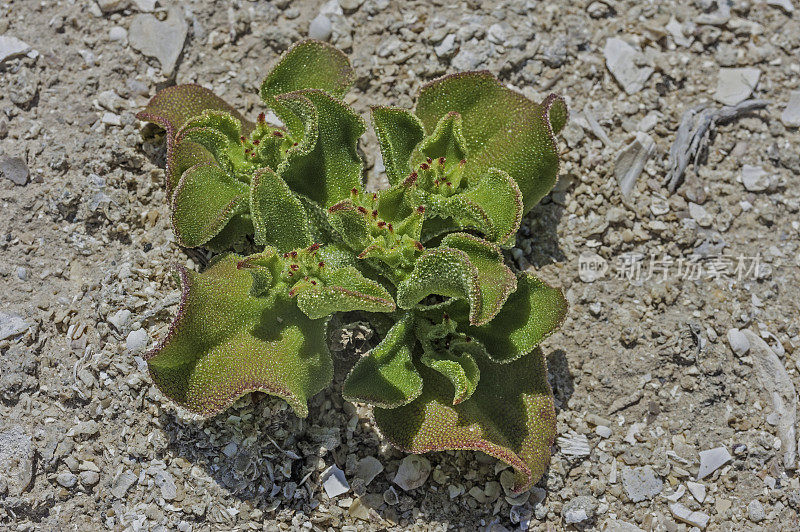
point(529, 316)
point(171, 108)
point(447, 140)
point(502, 129)
point(326, 166)
point(306, 65)
point(495, 280)
point(344, 290)
point(386, 376)
point(509, 416)
point(399, 132)
point(493, 206)
point(224, 344)
point(205, 200)
point(185, 154)
point(279, 218)
point(464, 267)
point(440, 271)
point(555, 109)
point(350, 225)
point(460, 369)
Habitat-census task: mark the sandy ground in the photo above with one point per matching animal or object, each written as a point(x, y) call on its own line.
point(663, 426)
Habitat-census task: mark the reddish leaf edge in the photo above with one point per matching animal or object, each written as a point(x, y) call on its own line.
point(300, 407)
point(499, 452)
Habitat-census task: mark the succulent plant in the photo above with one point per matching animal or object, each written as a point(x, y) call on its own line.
point(460, 366)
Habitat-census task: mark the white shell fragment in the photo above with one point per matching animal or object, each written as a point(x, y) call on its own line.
point(413, 472)
point(334, 482)
point(631, 160)
point(754, 178)
point(711, 460)
point(622, 60)
point(368, 468)
point(574, 444)
point(738, 342)
point(735, 85)
point(697, 490)
point(778, 385)
point(682, 513)
point(791, 113)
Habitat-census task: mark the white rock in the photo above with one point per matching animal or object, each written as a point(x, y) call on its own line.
point(755, 511)
point(631, 160)
point(413, 472)
point(738, 342)
point(621, 60)
point(786, 5)
point(111, 119)
point(791, 114)
point(711, 460)
point(676, 495)
point(136, 342)
point(446, 47)
point(350, 5)
point(697, 490)
point(16, 459)
point(615, 525)
point(368, 468)
point(700, 215)
point(649, 121)
point(145, 6)
point(574, 444)
point(120, 319)
point(334, 482)
point(118, 33)
point(496, 34)
point(166, 482)
point(641, 483)
point(602, 431)
point(12, 325)
point(162, 40)
point(111, 101)
point(67, 480)
point(682, 513)
point(121, 484)
point(11, 47)
point(676, 30)
point(754, 178)
point(89, 478)
point(109, 6)
point(735, 85)
point(320, 28)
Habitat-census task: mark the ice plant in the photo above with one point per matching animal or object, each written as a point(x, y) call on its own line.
point(460, 366)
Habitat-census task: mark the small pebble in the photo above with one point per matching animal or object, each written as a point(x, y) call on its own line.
point(711, 460)
point(320, 28)
point(602, 431)
point(67, 480)
point(90, 478)
point(738, 342)
point(755, 511)
point(14, 169)
point(118, 33)
point(136, 341)
point(334, 482)
point(413, 472)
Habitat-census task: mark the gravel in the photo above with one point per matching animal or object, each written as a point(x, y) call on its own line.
point(645, 356)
